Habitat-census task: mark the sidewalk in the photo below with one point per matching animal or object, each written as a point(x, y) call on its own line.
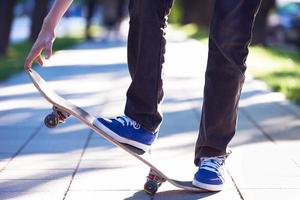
point(70, 162)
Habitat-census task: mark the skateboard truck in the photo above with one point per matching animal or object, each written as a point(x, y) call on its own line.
point(55, 118)
point(154, 181)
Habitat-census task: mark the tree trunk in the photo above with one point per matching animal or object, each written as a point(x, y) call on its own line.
point(6, 17)
point(260, 25)
point(39, 13)
point(196, 11)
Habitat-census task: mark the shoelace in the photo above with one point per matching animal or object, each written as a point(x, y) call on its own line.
point(213, 164)
point(126, 121)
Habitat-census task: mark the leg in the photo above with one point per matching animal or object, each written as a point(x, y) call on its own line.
point(146, 48)
point(229, 38)
point(90, 6)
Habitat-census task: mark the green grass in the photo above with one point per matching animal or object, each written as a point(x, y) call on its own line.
point(192, 31)
point(280, 69)
point(14, 61)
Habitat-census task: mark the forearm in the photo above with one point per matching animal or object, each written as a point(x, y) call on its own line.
point(47, 33)
point(57, 11)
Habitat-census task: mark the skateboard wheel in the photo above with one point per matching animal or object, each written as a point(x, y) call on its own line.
point(151, 187)
point(51, 121)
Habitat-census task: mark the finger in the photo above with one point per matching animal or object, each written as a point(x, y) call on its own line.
point(28, 61)
point(34, 53)
point(27, 65)
point(40, 60)
point(48, 50)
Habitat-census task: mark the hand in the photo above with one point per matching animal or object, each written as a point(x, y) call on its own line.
point(43, 42)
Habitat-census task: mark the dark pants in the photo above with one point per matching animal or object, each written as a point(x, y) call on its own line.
point(230, 34)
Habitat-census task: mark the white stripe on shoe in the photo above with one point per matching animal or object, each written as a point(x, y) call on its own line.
point(209, 187)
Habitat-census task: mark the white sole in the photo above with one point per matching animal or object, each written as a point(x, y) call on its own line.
point(209, 187)
point(119, 138)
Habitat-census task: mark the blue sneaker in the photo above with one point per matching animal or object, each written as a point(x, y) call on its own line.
point(210, 175)
point(127, 131)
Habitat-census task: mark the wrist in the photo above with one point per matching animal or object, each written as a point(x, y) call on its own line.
point(49, 25)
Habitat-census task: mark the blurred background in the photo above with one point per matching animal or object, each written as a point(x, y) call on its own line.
point(90, 69)
point(275, 44)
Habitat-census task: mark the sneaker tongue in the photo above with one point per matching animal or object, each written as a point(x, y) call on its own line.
point(214, 162)
point(126, 121)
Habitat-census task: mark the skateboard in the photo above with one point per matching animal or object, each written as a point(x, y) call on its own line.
point(62, 109)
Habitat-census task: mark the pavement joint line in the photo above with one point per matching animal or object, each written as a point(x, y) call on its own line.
point(295, 114)
point(264, 132)
point(35, 132)
point(78, 164)
point(267, 136)
point(235, 185)
point(289, 110)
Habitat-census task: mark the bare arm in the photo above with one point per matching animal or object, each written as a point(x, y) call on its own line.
point(47, 33)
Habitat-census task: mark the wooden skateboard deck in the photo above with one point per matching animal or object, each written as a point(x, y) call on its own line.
point(155, 178)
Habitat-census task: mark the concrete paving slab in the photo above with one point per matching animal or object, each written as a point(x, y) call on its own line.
point(23, 118)
point(113, 109)
point(292, 107)
point(113, 55)
point(12, 139)
point(249, 172)
point(67, 138)
point(4, 159)
point(287, 138)
point(57, 186)
point(49, 161)
point(259, 163)
point(31, 195)
point(70, 132)
point(10, 146)
point(107, 158)
point(53, 146)
point(179, 122)
point(5, 156)
point(176, 66)
point(9, 174)
point(98, 141)
point(17, 133)
point(279, 120)
point(16, 106)
point(122, 179)
point(183, 195)
point(114, 195)
point(106, 164)
point(274, 194)
point(3, 163)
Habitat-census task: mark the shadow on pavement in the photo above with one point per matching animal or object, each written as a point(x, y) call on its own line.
point(181, 195)
point(175, 125)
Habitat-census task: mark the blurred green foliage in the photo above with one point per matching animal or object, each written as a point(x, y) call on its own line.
point(193, 31)
point(176, 13)
point(14, 61)
point(280, 69)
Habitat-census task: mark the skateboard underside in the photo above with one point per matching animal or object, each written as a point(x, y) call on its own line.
point(62, 109)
